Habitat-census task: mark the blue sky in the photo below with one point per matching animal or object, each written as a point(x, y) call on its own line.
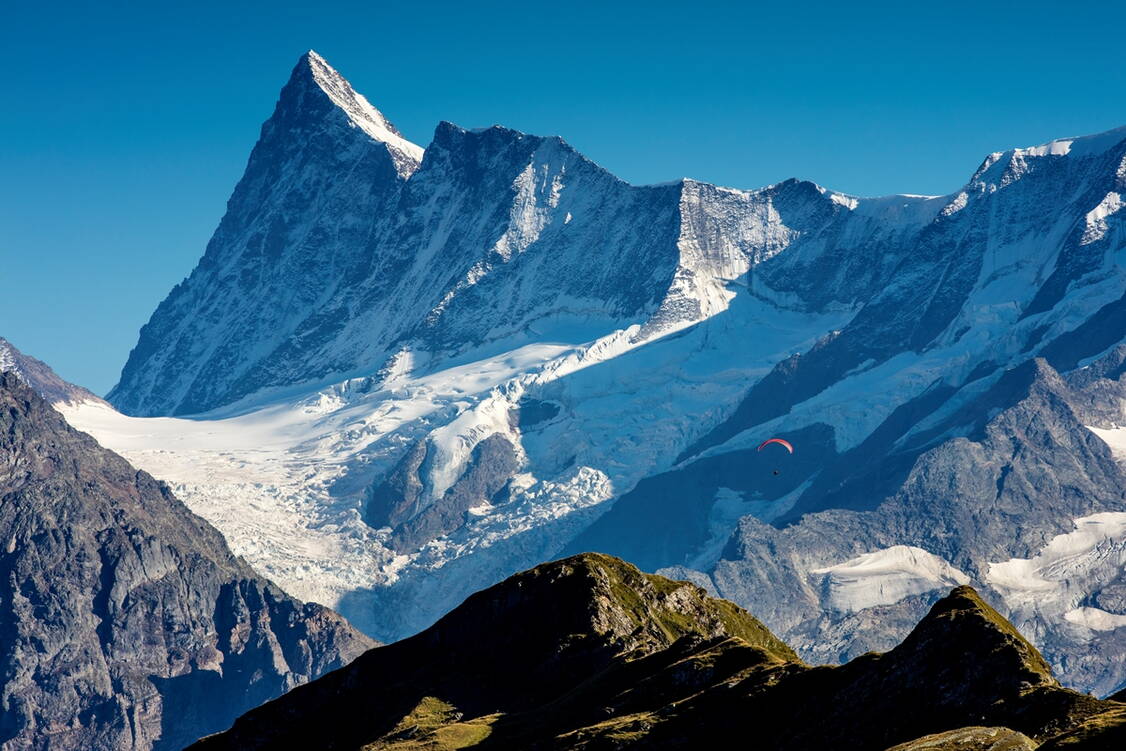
point(125, 126)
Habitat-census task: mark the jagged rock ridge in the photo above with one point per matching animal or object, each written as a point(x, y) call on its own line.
point(588, 652)
point(39, 376)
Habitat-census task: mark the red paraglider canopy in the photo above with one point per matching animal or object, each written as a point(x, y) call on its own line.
point(781, 441)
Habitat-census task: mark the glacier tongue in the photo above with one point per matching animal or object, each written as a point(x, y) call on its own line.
point(285, 481)
point(280, 481)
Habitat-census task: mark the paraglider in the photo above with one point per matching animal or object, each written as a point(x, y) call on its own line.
point(781, 442)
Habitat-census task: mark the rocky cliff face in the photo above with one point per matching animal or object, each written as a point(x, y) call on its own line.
point(588, 652)
point(125, 621)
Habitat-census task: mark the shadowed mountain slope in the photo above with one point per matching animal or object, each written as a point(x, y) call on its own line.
point(589, 653)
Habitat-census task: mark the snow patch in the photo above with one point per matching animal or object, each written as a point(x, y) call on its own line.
point(1096, 218)
point(1115, 438)
point(1095, 619)
point(956, 204)
point(886, 576)
point(1069, 566)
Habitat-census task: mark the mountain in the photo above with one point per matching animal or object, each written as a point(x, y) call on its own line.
point(344, 249)
point(398, 376)
point(39, 376)
point(125, 621)
point(320, 177)
point(588, 652)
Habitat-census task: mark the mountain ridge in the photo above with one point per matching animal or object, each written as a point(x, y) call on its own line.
point(962, 665)
point(373, 122)
point(39, 376)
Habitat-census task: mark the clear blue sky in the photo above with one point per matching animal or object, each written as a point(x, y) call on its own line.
point(124, 126)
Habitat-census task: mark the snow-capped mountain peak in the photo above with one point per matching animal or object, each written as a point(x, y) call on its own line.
point(361, 113)
point(327, 170)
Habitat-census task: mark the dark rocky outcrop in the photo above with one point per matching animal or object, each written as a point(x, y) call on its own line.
point(398, 497)
point(589, 653)
point(125, 621)
point(397, 501)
